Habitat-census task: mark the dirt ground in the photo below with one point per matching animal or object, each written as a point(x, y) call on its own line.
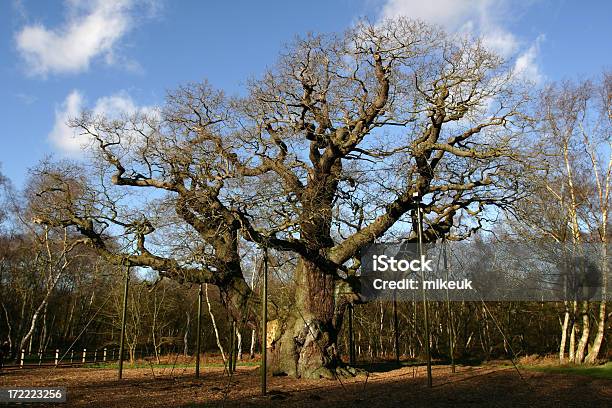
point(484, 386)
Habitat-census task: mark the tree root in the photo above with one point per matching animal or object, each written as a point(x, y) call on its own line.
point(337, 372)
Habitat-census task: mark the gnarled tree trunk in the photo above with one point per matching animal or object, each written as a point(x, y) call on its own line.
point(306, 342)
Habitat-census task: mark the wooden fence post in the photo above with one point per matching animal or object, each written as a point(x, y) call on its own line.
point(95, 355)
point(71, 357)
point(104, 356)
point(84, 354)
point(56, 357)
point(22, 358)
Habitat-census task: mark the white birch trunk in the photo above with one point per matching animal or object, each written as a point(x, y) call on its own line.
point(584, 337)
point(214, 323)
point(564, 326)
point(239, 337)
point(252, 351)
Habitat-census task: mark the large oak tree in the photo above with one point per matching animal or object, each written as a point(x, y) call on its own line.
point(321, 158)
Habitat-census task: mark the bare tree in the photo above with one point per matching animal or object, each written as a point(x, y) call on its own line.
point(600, 132)
point(53, 263)
point(570, 195)
point(322, 157)
point(5, 187)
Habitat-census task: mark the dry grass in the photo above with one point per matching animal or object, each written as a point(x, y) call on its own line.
point(536, 359)
point(485, 386)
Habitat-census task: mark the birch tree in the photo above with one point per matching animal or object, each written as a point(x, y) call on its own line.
point(569, 199)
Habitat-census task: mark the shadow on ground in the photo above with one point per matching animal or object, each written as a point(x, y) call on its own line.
point(484, 386)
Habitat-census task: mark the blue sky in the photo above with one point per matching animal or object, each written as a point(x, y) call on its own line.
point(58, 57)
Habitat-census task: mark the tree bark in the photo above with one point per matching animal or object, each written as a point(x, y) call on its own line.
point(572, 339)
point(214, 323)
point(239, 345)
point(306, 345)
point(252, 350)
point(564, 326)
point(601, 327)
point(43, 331)
point(9, 328)
point(186, 336)
point(601, 323)
point(584, 337)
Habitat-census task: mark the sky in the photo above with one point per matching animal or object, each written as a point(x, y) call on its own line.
point(114, 56)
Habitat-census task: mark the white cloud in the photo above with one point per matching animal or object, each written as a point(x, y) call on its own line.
point(500, 41)
point(526, 65)
point(91, 29)
point(481, 17)
point(450, 14)
point(62, 136)
point(66, 140)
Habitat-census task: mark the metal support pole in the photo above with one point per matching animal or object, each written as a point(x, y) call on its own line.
point(199, 332)
point(351, 336)
point(396, 331)
point(451, 329)
point(123, 320)
point(264, 323)
point(232, 348)
point(425, 311)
